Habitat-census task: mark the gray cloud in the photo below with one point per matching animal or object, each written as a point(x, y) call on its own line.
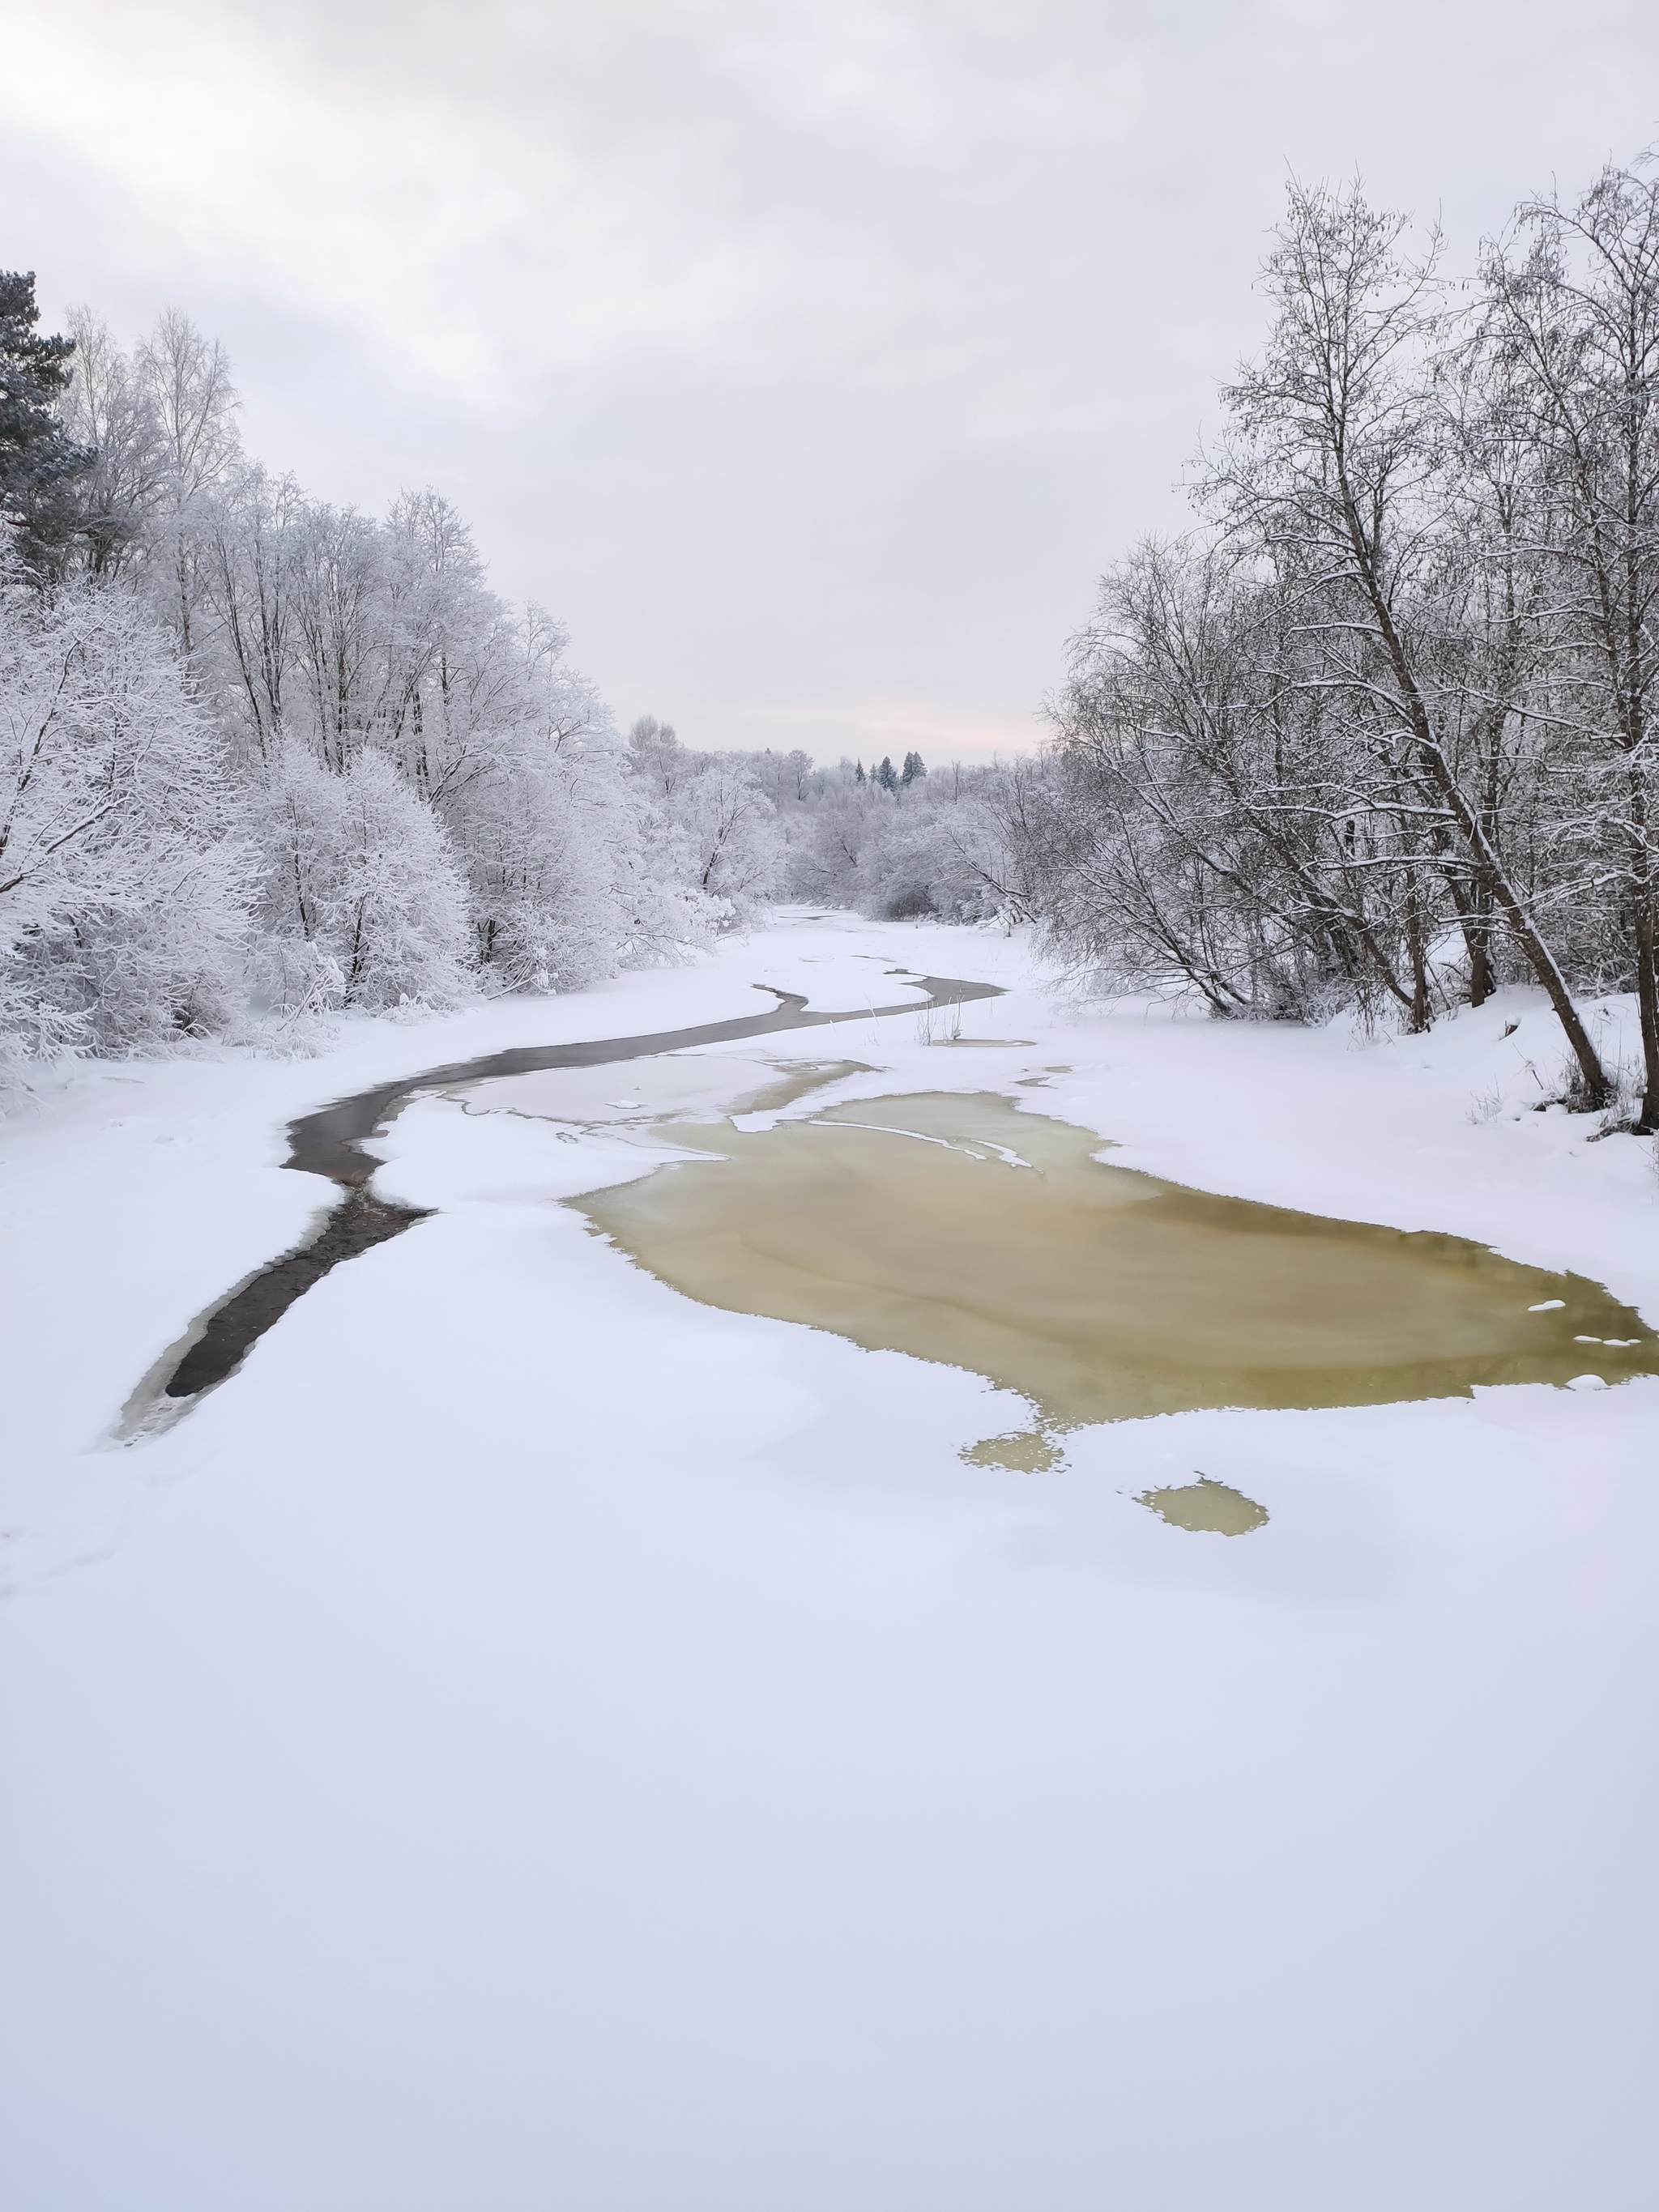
point(809, 359)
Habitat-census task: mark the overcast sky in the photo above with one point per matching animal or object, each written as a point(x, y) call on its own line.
point(809, 360)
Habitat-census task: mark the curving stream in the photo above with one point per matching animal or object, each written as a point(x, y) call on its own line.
point(330, 1143)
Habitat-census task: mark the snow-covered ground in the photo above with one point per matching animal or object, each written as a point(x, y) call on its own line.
point(531, 1741)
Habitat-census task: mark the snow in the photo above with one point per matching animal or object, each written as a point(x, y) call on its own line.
point(530, 1740)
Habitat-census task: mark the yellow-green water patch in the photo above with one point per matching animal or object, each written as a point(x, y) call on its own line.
point(958, 1228)
point(1027, 1452)
point(1206, 1507)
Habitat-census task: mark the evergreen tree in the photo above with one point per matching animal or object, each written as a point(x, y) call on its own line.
point(913, 768)
point(41, 464)
point(887, 775)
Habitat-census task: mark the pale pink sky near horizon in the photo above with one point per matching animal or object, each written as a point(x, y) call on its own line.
point(808, 361)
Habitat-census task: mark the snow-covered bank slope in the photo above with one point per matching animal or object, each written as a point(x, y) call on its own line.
point(530, 1740)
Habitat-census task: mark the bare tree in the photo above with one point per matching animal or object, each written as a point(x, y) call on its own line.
point(1572, 328)
point(187, 378)
point(1337, 470)
point(111, 410)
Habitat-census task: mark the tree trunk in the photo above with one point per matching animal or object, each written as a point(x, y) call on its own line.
point(1420, 1011)
point(1647, 999)
point(1520, 923)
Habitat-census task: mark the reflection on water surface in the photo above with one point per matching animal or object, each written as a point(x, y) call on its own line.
point(958, 1228)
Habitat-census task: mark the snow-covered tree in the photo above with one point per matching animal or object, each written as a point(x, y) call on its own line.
point(125, 884)
point(360, 890)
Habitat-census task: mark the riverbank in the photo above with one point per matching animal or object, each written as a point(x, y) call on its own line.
point(520, 1700)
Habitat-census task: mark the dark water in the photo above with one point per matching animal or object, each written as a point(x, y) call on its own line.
point(330, 1143)
point(358, 1222)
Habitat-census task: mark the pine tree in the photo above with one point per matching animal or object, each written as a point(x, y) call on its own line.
point(913, 767)
point(39, 463)
point(887, 775)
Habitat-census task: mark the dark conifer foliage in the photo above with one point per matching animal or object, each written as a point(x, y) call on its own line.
point(39, 463)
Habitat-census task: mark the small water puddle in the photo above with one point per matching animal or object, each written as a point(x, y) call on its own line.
point(1206, 1508)
point(958, 1228)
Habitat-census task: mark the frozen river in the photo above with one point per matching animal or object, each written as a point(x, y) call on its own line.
point(534, 1736)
